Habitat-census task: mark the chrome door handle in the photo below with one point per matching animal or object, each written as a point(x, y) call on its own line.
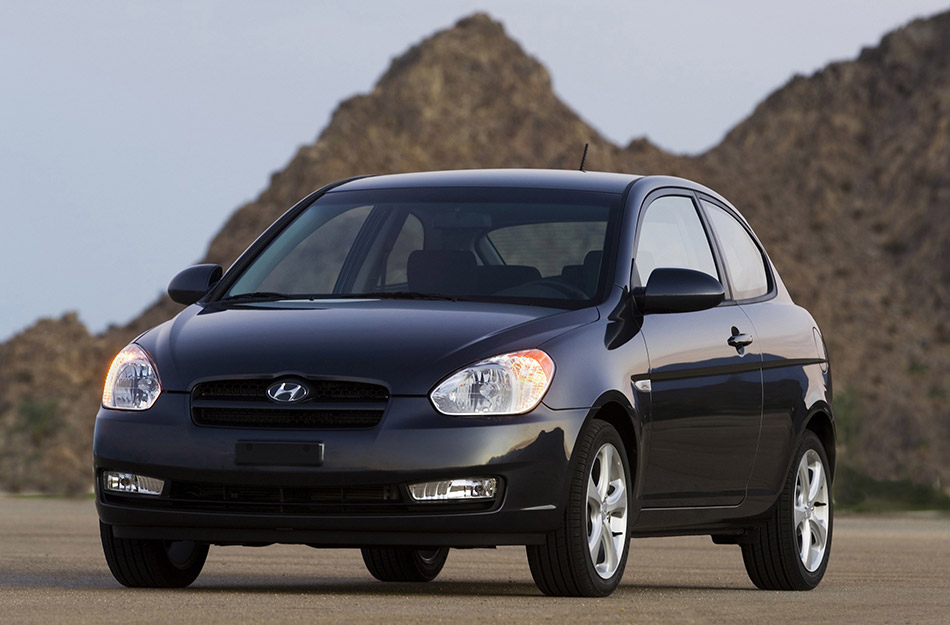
point(740, 340)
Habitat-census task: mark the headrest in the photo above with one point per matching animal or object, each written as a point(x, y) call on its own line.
point(592, 271)
point(593, 258)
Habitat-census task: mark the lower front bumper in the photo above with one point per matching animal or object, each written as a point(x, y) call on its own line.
point(461, 530)
point(529, 454)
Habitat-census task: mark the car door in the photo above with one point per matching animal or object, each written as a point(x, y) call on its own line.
point(705, 372)
point(787, 338)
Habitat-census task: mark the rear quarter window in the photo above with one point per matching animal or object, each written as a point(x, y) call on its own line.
point(549, 246)
point(743, 258)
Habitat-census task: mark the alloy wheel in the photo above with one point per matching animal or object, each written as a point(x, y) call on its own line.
point(607, 511)
point(811, 510)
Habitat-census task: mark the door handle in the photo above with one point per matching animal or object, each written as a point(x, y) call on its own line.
point(740, 340)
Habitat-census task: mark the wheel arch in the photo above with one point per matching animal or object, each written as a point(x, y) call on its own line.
point(615, 408)
point(618, 416)
point(822, 424)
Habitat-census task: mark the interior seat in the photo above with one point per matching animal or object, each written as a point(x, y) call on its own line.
point(443, 272)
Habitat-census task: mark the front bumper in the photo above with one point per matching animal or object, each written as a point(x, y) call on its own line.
point(529, 454)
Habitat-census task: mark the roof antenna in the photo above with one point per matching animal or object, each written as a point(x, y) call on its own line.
point(584, 157)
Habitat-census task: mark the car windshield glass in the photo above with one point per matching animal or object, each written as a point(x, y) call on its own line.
point(535, 246)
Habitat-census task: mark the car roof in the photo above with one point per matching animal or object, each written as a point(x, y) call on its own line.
point(527, 178)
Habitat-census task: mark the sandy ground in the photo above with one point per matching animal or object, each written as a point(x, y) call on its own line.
point(883, 570)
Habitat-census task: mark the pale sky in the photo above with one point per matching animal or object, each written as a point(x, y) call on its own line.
point(129, 131)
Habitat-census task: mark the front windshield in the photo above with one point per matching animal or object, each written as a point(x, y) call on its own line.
point(535, 246)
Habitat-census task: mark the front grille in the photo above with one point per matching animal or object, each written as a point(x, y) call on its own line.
point(330, 404)
point(320, 390)
point(284, 500)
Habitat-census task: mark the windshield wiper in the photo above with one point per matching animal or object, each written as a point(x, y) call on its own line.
point(255, 296)
point(270, 296)
point(397, 295)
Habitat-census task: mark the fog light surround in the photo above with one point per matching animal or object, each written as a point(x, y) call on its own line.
point(463, 489)
point(132, 484)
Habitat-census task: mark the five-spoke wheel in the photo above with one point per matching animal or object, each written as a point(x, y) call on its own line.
point(812, 511)
point(607, 510)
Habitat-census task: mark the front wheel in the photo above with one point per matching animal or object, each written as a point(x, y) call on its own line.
point(391, 564)
point(790, 550)
point(586, 557)
point(152, 563)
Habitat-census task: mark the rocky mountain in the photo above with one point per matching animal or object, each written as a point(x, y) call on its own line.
point(845, 175)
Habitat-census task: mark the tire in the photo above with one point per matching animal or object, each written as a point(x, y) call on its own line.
point(598, 505)
point(152, 563)
point(391, 564)
point(803, 516)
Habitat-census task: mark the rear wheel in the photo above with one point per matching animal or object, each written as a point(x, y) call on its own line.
point(390, 564)
point(586, 557)
point(152, 563)
point(790, 551)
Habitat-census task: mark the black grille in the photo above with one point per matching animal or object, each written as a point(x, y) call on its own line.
point(286, 500)
point(320, 390)
point(312, 500)
point(330, 404)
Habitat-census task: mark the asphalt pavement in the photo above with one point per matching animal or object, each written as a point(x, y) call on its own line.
point(893, 569)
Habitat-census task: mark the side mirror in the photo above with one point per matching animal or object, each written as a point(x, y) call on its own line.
point(191, 284)
point(671, 290)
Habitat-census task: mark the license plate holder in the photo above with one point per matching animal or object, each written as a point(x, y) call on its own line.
point(279, 453)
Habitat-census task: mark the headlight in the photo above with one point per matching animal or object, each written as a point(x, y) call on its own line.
point(132, 383)
point(503, 385)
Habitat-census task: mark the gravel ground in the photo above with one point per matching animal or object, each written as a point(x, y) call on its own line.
point(883, 570)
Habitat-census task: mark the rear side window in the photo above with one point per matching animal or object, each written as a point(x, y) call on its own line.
point(671, 235)
point(549, 246)
point(743, 258)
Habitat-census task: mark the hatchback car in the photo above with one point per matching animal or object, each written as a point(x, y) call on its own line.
point(409, 363)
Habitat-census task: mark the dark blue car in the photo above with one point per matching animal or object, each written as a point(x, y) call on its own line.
point(403, 364)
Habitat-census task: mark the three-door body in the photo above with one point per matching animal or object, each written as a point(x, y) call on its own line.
point(710, 403)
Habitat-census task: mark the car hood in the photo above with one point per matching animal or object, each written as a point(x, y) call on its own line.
point(408, 346)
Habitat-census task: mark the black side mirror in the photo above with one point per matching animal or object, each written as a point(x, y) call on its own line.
point(191, 284)
point(671, 290)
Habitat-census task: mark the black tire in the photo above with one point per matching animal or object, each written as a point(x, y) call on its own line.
point(152, 563)
point(773, 559)
point(392, 564)
point(564, 565)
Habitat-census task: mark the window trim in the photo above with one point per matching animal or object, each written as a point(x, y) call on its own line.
point(772, 291)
